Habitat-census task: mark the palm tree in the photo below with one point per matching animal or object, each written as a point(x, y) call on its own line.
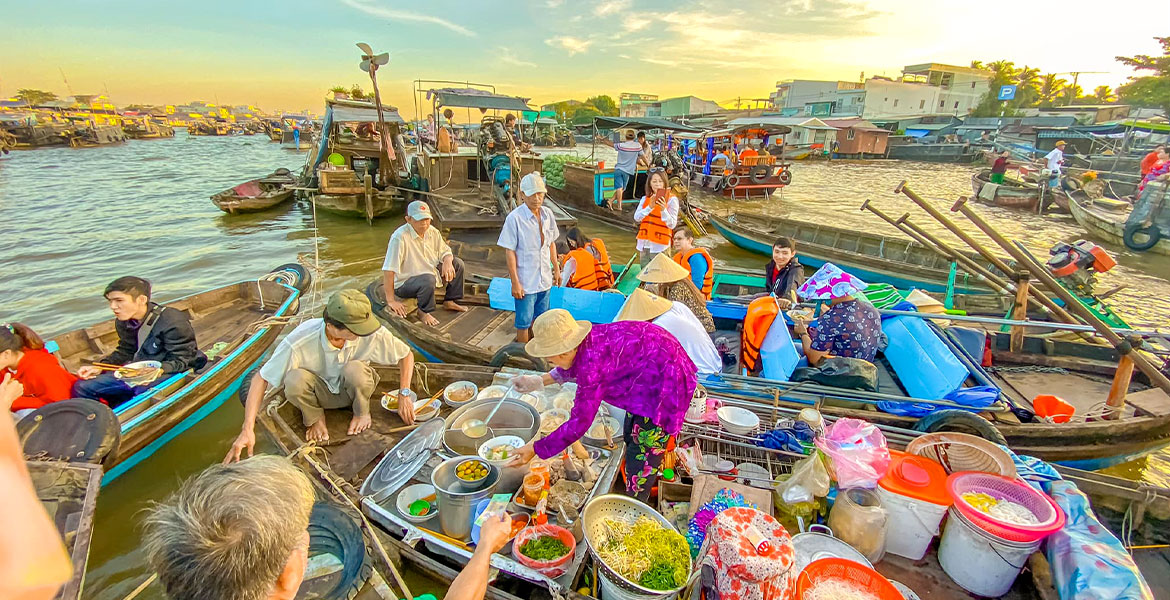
point(1005, 71)
point(977, 64)
point(1050, 88)
point(1072, 93)
point(1028, 80)
point(1104, 94)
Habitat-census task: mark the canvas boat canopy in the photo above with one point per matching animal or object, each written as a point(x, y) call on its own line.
point(641, 123)
point(355, 114)
point(473, 98)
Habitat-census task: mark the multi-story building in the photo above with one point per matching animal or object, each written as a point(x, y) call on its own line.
point(961, 88)
point(638, 105)
point(797, 93)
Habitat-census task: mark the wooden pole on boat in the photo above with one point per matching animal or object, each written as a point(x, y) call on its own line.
point(1119, 387)
point(1124, 346)
point(955, 229)
point(1019, 311)
point(904, 225)
point(1057, 311)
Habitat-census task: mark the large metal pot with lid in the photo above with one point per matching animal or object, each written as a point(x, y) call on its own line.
point(457, 497)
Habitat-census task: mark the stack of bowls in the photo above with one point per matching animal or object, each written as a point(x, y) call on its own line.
point(739, 421)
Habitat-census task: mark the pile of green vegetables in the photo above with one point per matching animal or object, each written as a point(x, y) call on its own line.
point(554, 168)
point(544, 548)
point(646, 552)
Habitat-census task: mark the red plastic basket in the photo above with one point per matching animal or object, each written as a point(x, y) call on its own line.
point(1049, 515)
point(846, 571)
point(549, 568)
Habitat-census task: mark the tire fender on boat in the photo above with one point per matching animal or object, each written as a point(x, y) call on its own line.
point(760, 173)
point(785, 176)
point(335, 530)
point(515, 350)
point(293, 274)
point(1152, 232)
point(959, 421)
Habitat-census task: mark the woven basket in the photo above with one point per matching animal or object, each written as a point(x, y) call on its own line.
point(963, 452)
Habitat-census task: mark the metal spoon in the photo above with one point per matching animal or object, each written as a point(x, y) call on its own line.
point(475, 428)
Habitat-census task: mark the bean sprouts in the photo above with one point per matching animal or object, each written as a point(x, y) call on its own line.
point(835, 589)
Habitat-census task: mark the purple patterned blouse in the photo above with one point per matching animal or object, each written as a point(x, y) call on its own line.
point(636, 366)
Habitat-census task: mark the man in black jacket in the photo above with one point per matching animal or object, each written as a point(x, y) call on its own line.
point(146, 331)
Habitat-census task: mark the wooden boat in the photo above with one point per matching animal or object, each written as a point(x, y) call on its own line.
point(742, 176)
point(936, 152)
point(1108, 225)
point(26, 132)
point(256, 195)
point(236, 323)
point(69, 493)
point(347, 461)
point(344, 465)
point(146, 128)
point(1009, 194)
point(873, 257)
point(358, 206)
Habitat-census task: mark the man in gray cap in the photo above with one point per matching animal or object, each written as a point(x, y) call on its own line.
point(325, 364)
point(417, 258)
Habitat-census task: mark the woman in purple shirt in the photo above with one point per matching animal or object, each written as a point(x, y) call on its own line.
point(636, 366)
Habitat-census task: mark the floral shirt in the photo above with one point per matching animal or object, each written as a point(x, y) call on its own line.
point(633, 365)
point(679, 291)
point(850, 329)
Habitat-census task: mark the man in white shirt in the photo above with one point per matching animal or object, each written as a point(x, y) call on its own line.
point(679, 321)
point(414, 252)
point(625, 168)
point(325, 364)
point(528, 237)
point(1052, 162)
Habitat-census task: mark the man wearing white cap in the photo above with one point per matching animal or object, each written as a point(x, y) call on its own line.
point(528, 237)
point(417, 258)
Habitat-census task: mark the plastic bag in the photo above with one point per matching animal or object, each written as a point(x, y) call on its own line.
point(809, 481)
point(858, 451)
point(1088, 562)
point(841, 372)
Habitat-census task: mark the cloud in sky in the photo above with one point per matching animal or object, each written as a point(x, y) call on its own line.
point(570, 44)
point(605, 8)
point(506, 55)
point(392, 14)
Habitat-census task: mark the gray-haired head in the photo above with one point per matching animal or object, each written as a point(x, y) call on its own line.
point(229, 531)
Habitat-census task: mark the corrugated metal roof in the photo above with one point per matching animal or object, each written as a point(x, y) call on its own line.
point(805, 122)
point(353, 114)
point(1068, 134)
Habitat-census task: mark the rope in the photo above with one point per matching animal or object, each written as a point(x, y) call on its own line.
point(142, 586)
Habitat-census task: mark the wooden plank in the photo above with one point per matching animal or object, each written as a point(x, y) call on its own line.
point(1119, 387)
point(1153, 401)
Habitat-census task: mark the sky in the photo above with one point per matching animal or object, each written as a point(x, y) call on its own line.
point(286, 55)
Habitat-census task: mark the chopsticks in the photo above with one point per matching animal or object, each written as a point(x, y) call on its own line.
point(106, 367)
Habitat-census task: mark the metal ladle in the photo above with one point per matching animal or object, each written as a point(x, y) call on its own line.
point(475, 428)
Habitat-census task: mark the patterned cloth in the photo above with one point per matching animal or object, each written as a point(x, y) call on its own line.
point(1154, 173)
point(645, 448)
point(679, 291)
point(741, 571)
point(633, 365)
point(851, 329)
point(830, 282)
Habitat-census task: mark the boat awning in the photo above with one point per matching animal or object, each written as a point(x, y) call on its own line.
point(353, 114)
point(473, 98)
point(1063, 134)
point(641, 123)
point(917, 133)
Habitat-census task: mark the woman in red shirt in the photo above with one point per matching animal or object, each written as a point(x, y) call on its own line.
point(22, 353)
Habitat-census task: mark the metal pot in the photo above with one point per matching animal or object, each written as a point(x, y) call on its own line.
point(457, 498)
point(515, 417)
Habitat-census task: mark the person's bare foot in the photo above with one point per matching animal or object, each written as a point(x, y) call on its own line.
point(359, 424)
point(453, 306)
point(428, 319)
point(317, 432)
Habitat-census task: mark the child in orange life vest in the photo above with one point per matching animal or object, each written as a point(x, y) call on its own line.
point(585, 262)
point(657, 215)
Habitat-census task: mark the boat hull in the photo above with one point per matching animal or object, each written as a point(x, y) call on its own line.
point(232, 204)
point(1110, 228)
point(871, 269)
point(1006, 195)
point(354, 205)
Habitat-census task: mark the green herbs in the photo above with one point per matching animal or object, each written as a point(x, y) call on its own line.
point(545, 547)
point(646, 552)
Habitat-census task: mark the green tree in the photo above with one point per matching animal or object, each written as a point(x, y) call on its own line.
point(1003, 72)
point(1151, 90)
point(1028, 80)
point(1051, 87)
point(35, 97)
point(356, 92)
point(1104, 94)
point(584, 113)
point(605, 105)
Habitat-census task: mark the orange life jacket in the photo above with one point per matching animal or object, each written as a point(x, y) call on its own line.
point(684, 260)
point(593, 270)
point(653, 228)
point(760, 315)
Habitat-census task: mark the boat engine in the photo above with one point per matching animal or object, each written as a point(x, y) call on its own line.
point(1077, 264)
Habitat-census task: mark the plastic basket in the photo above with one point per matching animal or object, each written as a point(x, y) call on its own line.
point(549, 568)
point(1049, 515)
point(846, 571)
point(963, 452)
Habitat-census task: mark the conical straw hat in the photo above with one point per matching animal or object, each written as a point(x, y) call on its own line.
point(662, 270)
point(643, 306)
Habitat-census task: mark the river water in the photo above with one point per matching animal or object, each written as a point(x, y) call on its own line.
point(78, 218)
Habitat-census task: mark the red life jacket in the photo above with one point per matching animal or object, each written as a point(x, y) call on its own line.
point(593, 270)
point(760, 315)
